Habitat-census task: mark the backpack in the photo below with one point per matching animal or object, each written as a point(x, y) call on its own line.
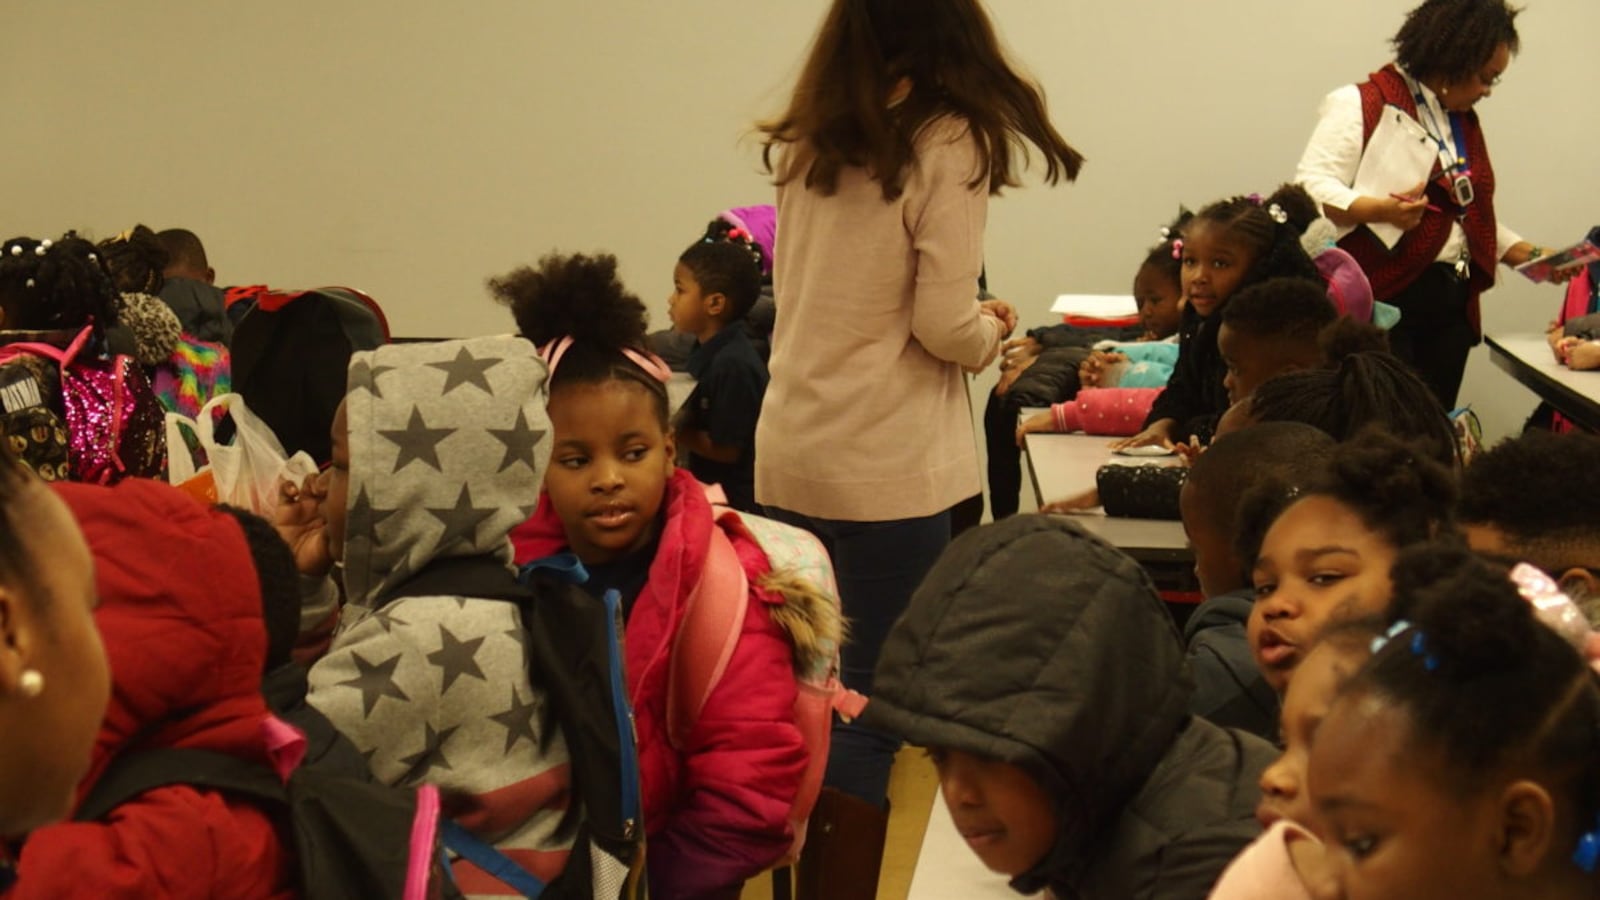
point(114, 424)
point(351, 838)
point(291, 355)
point(710, 631)
point(575, 654)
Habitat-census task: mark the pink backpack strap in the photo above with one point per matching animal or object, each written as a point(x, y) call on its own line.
point(712, 622)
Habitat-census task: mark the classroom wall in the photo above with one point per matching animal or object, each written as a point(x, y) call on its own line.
point(413, 149)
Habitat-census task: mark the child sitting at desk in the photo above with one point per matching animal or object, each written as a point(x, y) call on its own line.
point(713, 288)
point(1047, 681)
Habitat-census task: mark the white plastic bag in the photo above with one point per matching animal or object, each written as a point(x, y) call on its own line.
point(247, 471)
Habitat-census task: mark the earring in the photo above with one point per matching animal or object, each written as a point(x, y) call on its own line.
point(30, 683)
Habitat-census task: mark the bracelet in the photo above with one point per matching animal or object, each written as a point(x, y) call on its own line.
point(1535, 253)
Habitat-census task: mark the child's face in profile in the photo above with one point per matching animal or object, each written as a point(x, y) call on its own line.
point(1216, 565)
point(1214, 263)
point(1312, 690)
point(1252, 359)
point(1393, 824)
point(1159, 300)
point(336, 484)
point(1318, 559)
point(609, 467)
point(687, 307)
point(999, 809)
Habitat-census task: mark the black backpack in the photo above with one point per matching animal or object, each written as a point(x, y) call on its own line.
point(575, 655)
point(351, 837)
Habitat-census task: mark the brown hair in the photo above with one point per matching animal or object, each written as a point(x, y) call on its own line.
point(840, 111)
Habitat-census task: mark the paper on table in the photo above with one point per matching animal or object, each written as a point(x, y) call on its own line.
point(1098, 306)
point(1399, 156)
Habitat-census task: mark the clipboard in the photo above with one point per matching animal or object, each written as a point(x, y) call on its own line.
point(1399, 156)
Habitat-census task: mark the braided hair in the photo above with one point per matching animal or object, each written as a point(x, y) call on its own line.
point(1253, 221)
point(136, 259)
point(50, 285)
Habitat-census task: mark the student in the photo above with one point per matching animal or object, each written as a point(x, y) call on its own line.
point(1328, 548)
point(54, 683)
point(1280, 863)
point(1461, 760)
point(189, 287)
point(1229, 687)
point(438, 450)
point(1047, 681)
point(1229, 245)
point(715, 806)
point(1527, 499)
point(186, 646)
point(1365, 388)
point(756, 228)
point(713, 288)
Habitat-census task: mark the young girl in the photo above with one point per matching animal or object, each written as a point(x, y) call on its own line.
point(1228, 245)
point(54, 682)
point(1329, 550)
point(1463, 761)
point(716, 808)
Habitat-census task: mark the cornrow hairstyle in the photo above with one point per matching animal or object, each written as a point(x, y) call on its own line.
point(136, 260)
point(1392, 485)
point(1162, 256)
point(1344, 337)
point(1287, 309)
point(581, 297)
point(728, 268)
point(279, 582)
point(1484, 683)
point(1276, 245)
point(16, 565)
point(1452, 40)
point(51, 285)
point(1532, 488)
point(1364, 390)
point(721, 230)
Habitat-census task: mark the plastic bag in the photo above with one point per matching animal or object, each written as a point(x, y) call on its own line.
point(245, 473)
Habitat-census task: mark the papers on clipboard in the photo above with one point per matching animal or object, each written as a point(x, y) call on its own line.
point(1100, 306)
point(1399, 156)
point(1545, 267)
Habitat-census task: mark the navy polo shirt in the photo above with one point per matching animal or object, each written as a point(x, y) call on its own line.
point(730, 381)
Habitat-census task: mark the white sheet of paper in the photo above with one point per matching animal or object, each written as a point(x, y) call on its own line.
point(1399, 156)
point(1097, 306)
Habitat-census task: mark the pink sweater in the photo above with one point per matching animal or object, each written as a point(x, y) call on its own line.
point(866, 417)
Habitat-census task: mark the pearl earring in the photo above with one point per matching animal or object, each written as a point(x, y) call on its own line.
point(30, 683)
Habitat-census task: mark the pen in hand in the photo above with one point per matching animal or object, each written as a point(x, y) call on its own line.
point(1404, 199)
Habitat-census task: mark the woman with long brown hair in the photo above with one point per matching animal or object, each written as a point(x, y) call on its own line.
point(906, 119)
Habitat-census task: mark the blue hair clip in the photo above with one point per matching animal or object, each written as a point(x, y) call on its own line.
point(1419, 648)
point(1587, 856)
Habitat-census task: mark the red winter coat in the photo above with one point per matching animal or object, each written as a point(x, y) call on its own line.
point(180, 612)
point(1106, 411)
point(716, 814)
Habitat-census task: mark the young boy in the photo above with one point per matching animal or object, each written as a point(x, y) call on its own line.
point(1047, 680)
point(1529, 500)
point(1229, 688)
point(1271, 328)
point(713, 287)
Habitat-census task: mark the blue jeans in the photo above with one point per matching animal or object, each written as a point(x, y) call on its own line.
point(879, 565)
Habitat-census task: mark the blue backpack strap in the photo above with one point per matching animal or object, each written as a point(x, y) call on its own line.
point(483, 855)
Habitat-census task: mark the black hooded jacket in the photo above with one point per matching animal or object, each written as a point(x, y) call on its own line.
point(1034, 643)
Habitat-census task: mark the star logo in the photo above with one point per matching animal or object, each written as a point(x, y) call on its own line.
point(375, 682)
point(456, 658)
point(417, 442)
point(517, 721)
point(520, 440)
point(465, 369)
point(462, 520)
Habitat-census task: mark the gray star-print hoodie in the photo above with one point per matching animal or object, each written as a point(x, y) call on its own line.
point(448, 448)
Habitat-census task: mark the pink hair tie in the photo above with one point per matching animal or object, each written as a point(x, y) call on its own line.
point(1554, 608)
point(653, 365)
point(552, 352)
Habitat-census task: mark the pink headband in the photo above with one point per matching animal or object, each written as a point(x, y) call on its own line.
point(652, 364)
point(1556, 610)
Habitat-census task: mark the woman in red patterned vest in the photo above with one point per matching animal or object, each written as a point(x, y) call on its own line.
point(1430, 250)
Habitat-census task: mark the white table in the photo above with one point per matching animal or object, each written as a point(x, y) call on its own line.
point(1528, 359)
point(1064, 465)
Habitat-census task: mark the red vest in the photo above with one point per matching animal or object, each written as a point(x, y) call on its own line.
point(1393, 270)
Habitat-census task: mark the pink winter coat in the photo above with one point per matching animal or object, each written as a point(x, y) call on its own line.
point(715, 814)
point(1107, 411)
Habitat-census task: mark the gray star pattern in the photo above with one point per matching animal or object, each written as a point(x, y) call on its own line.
point(375, 682)
point(365, 375)
point(417, 442)
point(520, 440)
point(462, 520)
point(432, 749)
point(465, 369)
point(456, 658)
point(517, 721)
point(388, 621)
point(362, 511)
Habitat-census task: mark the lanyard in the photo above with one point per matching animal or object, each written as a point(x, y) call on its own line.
point(1448, 162)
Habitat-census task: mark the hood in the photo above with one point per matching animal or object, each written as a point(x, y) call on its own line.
point(448, 448)
point(186, 643)
point(1231, 608)
point(1034, 643)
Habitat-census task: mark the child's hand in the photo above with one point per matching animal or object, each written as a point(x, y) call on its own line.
point(1158, 434)
point(1009, 376)
point(301, 525)
point(1093, 366)
point(1018, 351)
point(1003, 311)
point(1190, 450)
point(1077, 503)
point(1038, 422)
point(1553, 333)
point(1582, 355)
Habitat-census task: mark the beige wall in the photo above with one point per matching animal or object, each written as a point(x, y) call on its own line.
point(414, 148)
